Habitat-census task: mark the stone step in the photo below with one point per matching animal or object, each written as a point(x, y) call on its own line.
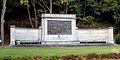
point(61, 45)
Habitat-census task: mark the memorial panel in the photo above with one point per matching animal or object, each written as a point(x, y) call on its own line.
point(56, 27)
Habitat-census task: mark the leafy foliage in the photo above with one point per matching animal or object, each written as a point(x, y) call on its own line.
point(95, 13)
point(107, 11)
point(117, 39)
point(24, 2)
point(69, 57)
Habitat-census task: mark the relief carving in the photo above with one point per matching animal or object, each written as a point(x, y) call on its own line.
point(59, 27)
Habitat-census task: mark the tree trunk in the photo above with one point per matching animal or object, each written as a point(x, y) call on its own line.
point(47, 6)
point(36, 25)
point(2, 21)
point(42, 7)
point(85, 8)
point(30, 17)
point(66, 8)
point(50, 6)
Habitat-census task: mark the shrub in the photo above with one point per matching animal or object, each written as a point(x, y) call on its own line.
point(24, 58)
point(92, 55)
point(6, 58)
point(37, 58)
point(117, 39)
point(110, 55)
point(71, 57)
point(51, 58)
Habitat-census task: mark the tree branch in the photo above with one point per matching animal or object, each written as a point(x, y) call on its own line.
point(46, 5)
point(42, 7)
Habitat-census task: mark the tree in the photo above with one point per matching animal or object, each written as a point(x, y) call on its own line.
point(66, 4)
point(49, 8)
point(26, 2)
point(2, 21)
point(35, 13)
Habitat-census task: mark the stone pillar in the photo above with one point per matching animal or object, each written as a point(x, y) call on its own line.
point(12, 35)
point(76, 34)
point(40, 34)
point(110, 32)
point(43, 28)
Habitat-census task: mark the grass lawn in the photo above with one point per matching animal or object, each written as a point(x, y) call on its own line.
point(15, 52)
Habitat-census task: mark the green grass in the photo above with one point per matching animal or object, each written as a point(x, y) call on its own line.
point(15, 52)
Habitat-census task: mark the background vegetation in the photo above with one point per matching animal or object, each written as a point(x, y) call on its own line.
point(90, 13)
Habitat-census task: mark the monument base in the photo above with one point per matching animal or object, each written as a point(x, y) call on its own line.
point(60, 42)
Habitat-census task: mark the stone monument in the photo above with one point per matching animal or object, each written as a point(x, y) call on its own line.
point(61, 29)
point(57, 28)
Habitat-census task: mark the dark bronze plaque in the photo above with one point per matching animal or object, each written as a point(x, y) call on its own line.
point(59, 27)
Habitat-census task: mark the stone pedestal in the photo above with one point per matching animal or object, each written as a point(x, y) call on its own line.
point(58, 27)
point(110, 31)
point(12, 35)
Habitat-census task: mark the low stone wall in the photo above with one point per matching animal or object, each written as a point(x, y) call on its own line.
point(81, 35)
point(95, 35)
point(24, 35)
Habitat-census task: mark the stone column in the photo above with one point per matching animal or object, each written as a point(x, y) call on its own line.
point(12, 35)
point(76, 34)
point(110, 32)
point(40, 34)
point(43, 27)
